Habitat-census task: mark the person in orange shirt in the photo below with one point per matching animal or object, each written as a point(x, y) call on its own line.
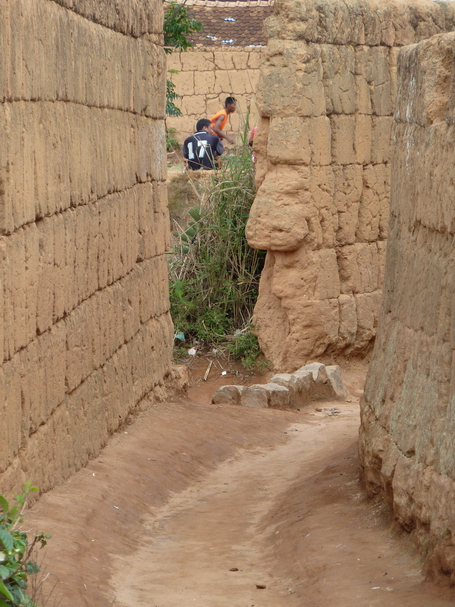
point(251, 141)
point(219, 120)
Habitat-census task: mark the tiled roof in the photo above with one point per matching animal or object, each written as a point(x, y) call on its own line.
point(231, 24)
point(228, 23)
point(227, 2)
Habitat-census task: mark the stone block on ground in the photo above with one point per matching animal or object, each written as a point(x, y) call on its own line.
point(228, 395)
point(313, 382)
point(279, 397)
point(318, 370)
point(298, 387)
point(319, 386)
point(288, 380)
point(335, 379)
point(305, 378)
point(255, 397)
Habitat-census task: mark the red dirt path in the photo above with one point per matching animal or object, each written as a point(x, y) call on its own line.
point(190, 491)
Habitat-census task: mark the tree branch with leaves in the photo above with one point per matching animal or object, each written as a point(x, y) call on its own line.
point(177, 26)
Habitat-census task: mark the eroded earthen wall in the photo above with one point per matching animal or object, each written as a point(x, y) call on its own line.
point(85, 327)
point(407, 444)
point(326, 96)
point(205, 78)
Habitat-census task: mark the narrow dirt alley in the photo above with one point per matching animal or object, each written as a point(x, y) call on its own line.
point(217, 506)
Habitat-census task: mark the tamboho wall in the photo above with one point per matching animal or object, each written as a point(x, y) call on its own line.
point(85, 326)
point(407, 434)
point(224, 62)
point(206, 76)
point(326, 96)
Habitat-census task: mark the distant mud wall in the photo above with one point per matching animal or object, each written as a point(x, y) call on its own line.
point(205, 78)
point(326, 97)
point(85, 326)
point(407, 434)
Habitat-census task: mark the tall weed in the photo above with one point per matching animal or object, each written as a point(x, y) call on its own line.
point(214, 273)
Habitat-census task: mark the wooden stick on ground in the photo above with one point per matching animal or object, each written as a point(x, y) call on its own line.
point(208, 370)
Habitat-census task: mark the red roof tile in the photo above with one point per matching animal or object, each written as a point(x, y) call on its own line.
point(229, 22)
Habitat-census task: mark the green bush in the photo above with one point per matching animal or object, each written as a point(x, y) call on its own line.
point(214, 273)
point(171, 143)
point(16, 563)
point(245, 347)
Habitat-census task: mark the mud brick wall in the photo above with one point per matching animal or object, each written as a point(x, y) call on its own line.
point(326, 97)
point(206, 77)
point(408, 411)
point(85, 325)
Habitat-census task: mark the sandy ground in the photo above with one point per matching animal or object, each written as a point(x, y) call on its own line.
point(217, 506)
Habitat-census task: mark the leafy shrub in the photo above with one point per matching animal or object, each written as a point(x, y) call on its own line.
point(171, 108)
point(214, 273)
point(16, 562)
point(245, 347)
point(171, 142)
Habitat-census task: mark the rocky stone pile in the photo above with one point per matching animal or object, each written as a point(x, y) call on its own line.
point(287, 390)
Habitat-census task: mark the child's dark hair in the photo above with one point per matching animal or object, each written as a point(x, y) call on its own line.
point(202, 123)
point(229, 101)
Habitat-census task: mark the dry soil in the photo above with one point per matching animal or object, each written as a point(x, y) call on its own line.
point(223, 506)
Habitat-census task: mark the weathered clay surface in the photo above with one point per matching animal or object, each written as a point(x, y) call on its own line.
point(85, 326)
point(408, 423)
point(326, 95)
point(287, 390)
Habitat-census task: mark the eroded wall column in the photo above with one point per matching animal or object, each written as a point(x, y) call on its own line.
point(326, 95)
point(86, 331)
point(407, 437)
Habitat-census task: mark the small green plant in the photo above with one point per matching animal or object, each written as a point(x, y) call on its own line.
point(171, 143)
point(16, 562)
point(171, 96)
point(245, 347)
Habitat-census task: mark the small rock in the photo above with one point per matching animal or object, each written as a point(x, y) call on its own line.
point(261, 586)
point(254, 397)
point(334, 376)
point(278, 396)
point(318, 370)
point(228, 395)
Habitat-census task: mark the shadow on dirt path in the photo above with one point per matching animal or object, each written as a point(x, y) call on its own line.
point(217, 506)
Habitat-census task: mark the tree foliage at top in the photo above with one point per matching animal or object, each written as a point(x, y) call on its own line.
point(177, 27)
